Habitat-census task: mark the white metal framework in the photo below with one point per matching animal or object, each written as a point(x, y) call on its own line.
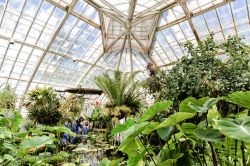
point(66, 43)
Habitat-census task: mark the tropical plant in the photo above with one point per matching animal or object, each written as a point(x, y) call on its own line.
point(43, 105)
point(20, 148)
point(7, 97)
point(122, 92)
point(213, 141)
point(203, 73)
point(71, 106)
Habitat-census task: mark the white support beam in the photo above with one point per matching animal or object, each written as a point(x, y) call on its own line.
point(131, 10)
point(153, 31)
point(103, 30)
point(112, 7)
point(92, 3)
point(113, 42)
point(188, 15)
point(113, 16)
point(130, 54)
point(145, 50)
point(121, 52)
point(185, 18)
point(87, 72)
point(144, 18)
point(155, 6)
point(90, 22)
point(47, 49)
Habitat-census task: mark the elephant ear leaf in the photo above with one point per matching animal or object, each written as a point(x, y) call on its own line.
point(184, 106)
point(235, 128)
point(241, 98)
point(175, 119)
point(155, 109)
point(205, 107)
point(165, 133)
point(36, 142)
point(122, 127)
point(132, 132)
point(209, 134)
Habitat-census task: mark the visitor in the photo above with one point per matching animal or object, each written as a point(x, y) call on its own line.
point(66, 138)
point(77, 129)
point(85, 128)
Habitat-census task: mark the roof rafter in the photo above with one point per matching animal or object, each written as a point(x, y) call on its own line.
point(144, 18)
point(113, 16)
point(184, 18)
point(114, 41)
point(154, 6)
point(47, 49)
point(90, 22)
point(131, 10)
point(121, 51)
point(188, 15)
point(118, 12)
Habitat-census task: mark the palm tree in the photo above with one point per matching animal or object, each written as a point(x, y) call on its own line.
point(122, 92)
point(43, 105)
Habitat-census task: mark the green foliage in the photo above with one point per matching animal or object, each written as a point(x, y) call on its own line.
point(121, 90)
point(185, 107)
point(235, 128)
point(240, 98)
point(155, 109)
point(180, 143)
point(107, 162)
point(36, 142)
point(201, 73)
point(165, 133)
point(175, 119)
point(7, 98)
point(43, 105)
point(206, 106)
point(59, 129)
point(122, 127)
point(71, 106)
point(208, 134)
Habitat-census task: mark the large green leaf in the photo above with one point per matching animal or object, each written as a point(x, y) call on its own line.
point(16, 121)
point(4, 121)
point(123, 127)
point(205, 107)
point(235, 128)
point(166, 132)
point(150, 127)
point(155, 109)
point(188, 130)
point(241, 98)
point(60, 129)
point(132, 132)
point(175, 119)
point(209, 134)
point(107, 162)
point(135, 151)
point(5, 133)
point(36, 142)
point(184, 107)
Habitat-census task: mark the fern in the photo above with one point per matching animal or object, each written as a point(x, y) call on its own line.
point(121, 90)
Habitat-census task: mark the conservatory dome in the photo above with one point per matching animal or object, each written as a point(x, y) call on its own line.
point(66, 43)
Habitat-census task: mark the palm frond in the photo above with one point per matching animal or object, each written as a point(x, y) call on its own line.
point(121, 89)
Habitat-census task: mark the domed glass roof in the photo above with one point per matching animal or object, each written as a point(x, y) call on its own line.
point(66, 43)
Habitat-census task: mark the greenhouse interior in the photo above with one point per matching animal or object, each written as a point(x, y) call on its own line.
point(125, 82)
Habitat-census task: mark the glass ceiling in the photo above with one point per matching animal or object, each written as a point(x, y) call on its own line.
point(66, 43)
